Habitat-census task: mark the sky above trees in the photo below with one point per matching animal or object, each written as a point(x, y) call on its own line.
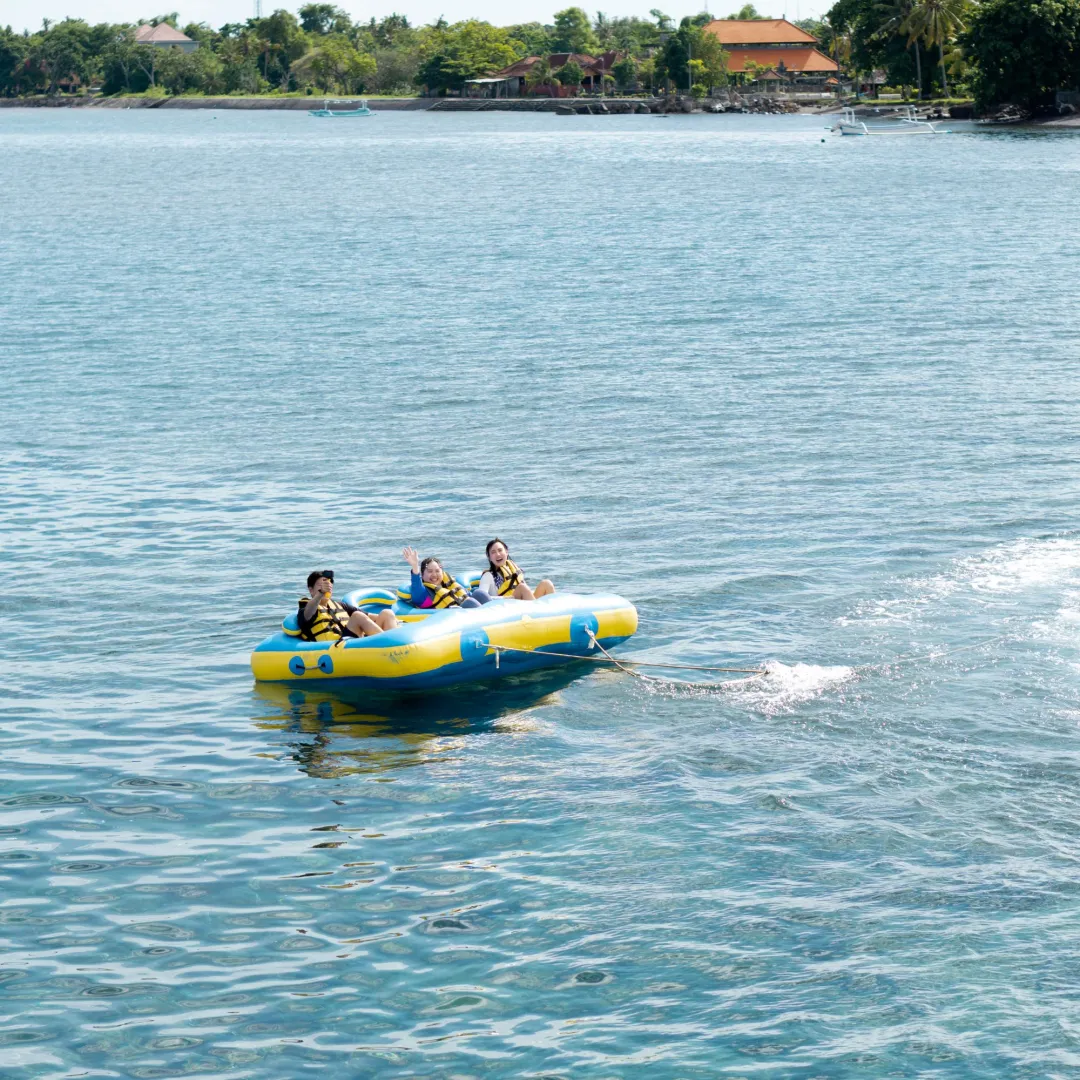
point(27, 14)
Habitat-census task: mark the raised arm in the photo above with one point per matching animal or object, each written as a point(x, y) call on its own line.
point(312, 606)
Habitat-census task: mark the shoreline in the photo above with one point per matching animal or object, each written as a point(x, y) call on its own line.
point(606, 106)
point(137, 101)
point(563, 106)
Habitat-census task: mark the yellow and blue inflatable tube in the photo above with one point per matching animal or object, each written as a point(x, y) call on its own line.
point(450, 646)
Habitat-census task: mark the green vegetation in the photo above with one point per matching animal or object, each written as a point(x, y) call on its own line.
point(691, 57)
point(319, 50)
point(1001, 51)
point(1023, 52)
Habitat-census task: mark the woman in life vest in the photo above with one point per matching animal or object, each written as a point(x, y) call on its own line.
point(504, 577)
point(432, 586)
point(322, 618)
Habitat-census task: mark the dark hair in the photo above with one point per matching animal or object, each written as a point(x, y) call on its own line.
point(425, 563)
point(487, 552)
point(316, 574)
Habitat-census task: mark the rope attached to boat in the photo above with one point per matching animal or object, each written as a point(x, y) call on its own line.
point(753, 673)
point(607, 658)
point(628, 665)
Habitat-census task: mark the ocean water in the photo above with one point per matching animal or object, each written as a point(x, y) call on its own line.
point(806, 401)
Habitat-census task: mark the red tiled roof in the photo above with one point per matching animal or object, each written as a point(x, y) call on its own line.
point(519, 68)
point(794, 60)
point(588, 64)
point(561, 59)
point(161, 33)
point(608, 59)
point(758, 32)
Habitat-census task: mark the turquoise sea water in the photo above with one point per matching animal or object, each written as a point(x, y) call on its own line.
point(808, 403)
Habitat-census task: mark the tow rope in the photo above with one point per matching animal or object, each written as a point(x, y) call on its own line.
point(628, 665)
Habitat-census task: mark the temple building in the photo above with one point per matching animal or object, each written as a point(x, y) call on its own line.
point(775, 45)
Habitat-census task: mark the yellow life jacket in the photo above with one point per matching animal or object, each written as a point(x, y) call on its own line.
point(507, 578)
point(446, 594)
point(330, 623)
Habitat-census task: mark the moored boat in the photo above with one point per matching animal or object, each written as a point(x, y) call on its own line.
point(906, 122)
point(360, 110)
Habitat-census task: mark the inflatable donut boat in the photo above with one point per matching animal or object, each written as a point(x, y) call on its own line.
point(438, 648)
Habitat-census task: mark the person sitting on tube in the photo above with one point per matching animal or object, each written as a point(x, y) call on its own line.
point(433, 587)
point(503, 577)
point(321, 618)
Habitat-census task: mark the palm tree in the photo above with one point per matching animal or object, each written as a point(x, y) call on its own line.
point(897, 13)
point(936, 22)
point(539, 75)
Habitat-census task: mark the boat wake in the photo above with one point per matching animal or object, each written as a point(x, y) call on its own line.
point(1024, 590)
point(786, 685)
point(782, 686)
point(996, 578)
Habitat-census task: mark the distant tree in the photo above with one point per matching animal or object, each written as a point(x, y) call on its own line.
point(866, 34)
point(124, 62)
point(180, 72)
point(631, 35)
point(439, 73)
point(61, 52)
point(540, 76)
point(1021, 51)
point(534, 36)
point(714, 59)
point(281, 42)
point(318, 18)
point(747, 11)
point(573, 33)
point(450, 55)
point(625, 72)
point(570, 74)
point(16, 76)
point(339, 67)
point(389, 31)
point(395, 70)
point(936, 23)
point(663, 22)
point(692, 43)
point(753, 70)
point(203, 34)
point(818, 28)
point(896, 15)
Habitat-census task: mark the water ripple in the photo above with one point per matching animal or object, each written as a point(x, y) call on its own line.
point(722, 368)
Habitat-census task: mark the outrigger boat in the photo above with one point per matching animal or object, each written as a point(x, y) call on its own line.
point(360, 110)
point(904, 123)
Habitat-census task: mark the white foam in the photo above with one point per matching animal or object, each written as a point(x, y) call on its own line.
point(785, 686)
point(1021, 566)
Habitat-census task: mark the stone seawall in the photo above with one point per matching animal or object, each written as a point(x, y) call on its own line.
point(292, 104)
